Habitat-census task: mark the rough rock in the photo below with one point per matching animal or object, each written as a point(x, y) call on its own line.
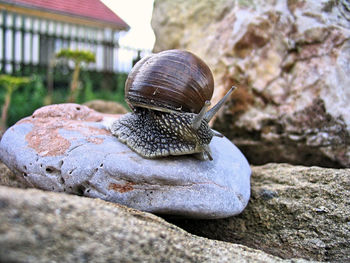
point(290, 62)
point(66, 148)
point(103, 106)
point(8, 178)
point(294, 211)
point(38, 226)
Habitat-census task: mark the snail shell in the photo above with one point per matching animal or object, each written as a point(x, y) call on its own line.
point(169, 93)
point(172, 80)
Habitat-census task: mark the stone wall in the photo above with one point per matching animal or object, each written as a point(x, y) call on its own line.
point(290, 62)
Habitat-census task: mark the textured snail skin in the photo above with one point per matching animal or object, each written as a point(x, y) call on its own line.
point(154, 134)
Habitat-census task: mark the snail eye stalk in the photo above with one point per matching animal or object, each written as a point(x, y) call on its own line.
point(210, 114)
point(200, 116)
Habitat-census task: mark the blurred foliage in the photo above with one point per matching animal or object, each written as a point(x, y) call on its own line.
point(11, 83)
point(27, 98)
point(77, 57)
point(43, 82)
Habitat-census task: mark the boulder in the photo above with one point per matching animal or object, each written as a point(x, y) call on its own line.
point(289, 60)
point(67, 148)
point(38, 226)
point(294, 211)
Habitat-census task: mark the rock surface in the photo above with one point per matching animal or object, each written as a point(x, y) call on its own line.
point(294, 211)
point(8, 178)
point(290, 62)
point(103, 106)
point(38, 226)
point(66, 148)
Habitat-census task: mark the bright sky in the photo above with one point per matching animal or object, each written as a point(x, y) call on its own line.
point(137, 14)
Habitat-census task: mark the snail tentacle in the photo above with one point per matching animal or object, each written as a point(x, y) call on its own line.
point(210, 114)
point(199, 117)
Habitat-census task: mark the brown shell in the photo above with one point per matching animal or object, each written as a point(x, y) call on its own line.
point(170, 80)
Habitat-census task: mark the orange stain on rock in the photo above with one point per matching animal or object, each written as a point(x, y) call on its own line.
point(47, 143)
point(95, 140)
point(44, 137)
point(121, 188)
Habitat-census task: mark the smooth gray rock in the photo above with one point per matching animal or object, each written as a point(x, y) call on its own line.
point(66, 148)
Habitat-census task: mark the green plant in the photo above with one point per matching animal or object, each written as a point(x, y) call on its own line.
point(88, 93)
point(27, 99)
point(78, 57)
point(10, 83)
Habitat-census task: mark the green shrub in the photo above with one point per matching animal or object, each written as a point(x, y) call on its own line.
point(89, 92)
point(78, 57)
point(25, 100)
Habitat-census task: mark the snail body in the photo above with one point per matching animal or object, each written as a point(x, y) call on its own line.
point(169, 93)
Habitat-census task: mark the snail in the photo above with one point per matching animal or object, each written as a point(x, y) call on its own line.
point(169, 93)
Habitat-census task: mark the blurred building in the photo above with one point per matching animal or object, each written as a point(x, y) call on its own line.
point(31, 31)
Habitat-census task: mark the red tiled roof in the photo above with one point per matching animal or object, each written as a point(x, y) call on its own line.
point(93, 9)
